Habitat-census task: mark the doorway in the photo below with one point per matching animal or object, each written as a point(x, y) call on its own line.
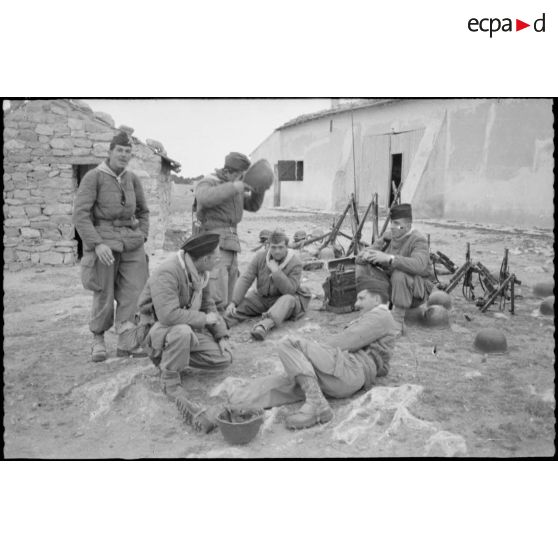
point(80, 171)
point(395, 176)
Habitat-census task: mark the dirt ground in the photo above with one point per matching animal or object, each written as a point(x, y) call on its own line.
point(58, 404)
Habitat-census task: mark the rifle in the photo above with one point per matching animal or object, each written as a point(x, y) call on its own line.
point(393, 203)
point(337, 225)
point(507, 283)
point(354, 245)
point(375, 232)
point(465, 272)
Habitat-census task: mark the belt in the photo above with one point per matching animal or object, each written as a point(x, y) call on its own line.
point(132, 223)
point(217, 228)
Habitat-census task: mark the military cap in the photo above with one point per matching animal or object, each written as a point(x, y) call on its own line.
point(121, 138)
point(201, 244)
point(373, 285)
point(237, 161)
point(277, 236)
point(402, 211)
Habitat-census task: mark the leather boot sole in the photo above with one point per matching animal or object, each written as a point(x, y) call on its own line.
point(194, 415)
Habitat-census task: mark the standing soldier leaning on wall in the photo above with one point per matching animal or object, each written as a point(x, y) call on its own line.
point(221, 198)
point(112, 219)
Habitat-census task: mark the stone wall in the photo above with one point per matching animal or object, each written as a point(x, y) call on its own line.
point(44, 141)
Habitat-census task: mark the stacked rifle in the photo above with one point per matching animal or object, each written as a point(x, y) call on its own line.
point(502, 288)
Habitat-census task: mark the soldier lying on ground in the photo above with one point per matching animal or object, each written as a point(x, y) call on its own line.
point(187, 330)
point(278, 295)
point(338, 367)
point(402, 261)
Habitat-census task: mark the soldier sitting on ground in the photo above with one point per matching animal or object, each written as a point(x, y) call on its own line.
point(187, 330)
point(278, 295)
point(402, 261)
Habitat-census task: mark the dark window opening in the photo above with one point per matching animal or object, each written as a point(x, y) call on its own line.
point(80, 172)
point(395, 175)
point(290, 170)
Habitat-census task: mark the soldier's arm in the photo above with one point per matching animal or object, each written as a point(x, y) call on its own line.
point(253, 201)
point(288, 284)
point(83, 204)
point(142, 211)
point(245, 281)
point(210, 194)
point(417, 263)
point(164, 293)
point(370, 327)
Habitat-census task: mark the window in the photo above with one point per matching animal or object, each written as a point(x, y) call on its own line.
point(290, 170)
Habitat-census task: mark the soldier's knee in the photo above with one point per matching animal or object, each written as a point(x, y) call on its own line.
point(179, 332)
point(288, 299)
point(400, 277)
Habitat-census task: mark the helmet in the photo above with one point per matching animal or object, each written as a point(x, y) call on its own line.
point(436, 316)
point(259, 176)
point(544, 288)
point(299, 235)
point(547, 306)
point(490, 340)
point(439, 298)
point(264, 235)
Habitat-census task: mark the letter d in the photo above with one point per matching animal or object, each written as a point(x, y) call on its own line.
point(535, 25)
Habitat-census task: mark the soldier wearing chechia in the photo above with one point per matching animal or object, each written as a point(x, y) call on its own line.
point(221, 198)
point(402, 261)
point(112, 219)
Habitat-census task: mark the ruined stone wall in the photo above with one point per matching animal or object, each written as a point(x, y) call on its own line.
point(44, 141)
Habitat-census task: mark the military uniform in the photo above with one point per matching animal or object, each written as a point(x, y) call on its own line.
point(409, 271)
point(219, 210)
point(342, 364)
point(111, 209)
point(176, 300)
point(278, 295)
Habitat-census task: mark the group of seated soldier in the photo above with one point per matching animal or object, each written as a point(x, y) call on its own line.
point(184, 329)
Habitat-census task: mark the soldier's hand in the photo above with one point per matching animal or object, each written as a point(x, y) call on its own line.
point(230, 309)
point(211, 318)
point(273, 266)
point(104, 253)
point(239, 186)
point(225, 345)
point(379, 258)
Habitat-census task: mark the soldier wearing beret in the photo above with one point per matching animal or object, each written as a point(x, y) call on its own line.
point(112, 219)
point(186, 329)
point(278, 295)
point(221, 198)
point(400, 259)
point(337, 367)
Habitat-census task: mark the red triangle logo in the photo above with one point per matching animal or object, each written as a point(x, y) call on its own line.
point(519, 25)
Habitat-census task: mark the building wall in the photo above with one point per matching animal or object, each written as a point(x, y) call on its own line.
point(487, 160)
point(44, 141)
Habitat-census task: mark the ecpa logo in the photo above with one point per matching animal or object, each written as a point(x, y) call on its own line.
point(494, 24)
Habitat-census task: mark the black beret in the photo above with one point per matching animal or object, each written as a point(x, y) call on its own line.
point(402, 211)
point(121, 138)
point(237, 161)
point(201, 244)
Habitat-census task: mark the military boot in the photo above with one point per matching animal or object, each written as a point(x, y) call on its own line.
point(261, 329)
point(197, 416)
point(98, 348)
point(316, 409)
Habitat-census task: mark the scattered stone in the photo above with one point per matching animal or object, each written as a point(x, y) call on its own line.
point(445, 444)
point(473, 374)
point(501, 316)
